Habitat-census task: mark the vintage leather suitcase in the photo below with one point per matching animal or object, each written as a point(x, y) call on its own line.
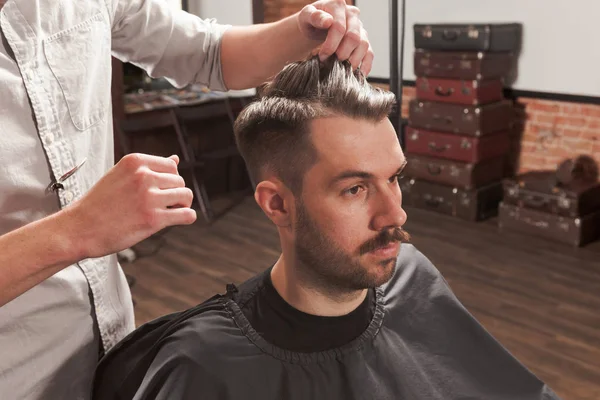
point(471, 205)
point(467, 120)
point(504, 37)
point(541, 190)
point(456, 91)
point(462, 65)
point(455, 173)
point(576, 231)
point(456, 147)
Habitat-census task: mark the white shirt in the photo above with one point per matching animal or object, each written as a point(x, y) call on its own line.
point(55, 110)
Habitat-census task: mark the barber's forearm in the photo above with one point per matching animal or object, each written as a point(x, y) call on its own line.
point(33, 253)
point(250, 55)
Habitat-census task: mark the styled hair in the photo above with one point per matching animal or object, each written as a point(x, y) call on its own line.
point(272, 133)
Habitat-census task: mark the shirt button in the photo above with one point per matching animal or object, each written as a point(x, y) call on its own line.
point(49, 138)
point(69, 196)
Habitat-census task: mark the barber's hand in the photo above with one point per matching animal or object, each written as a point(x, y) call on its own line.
point(139, 196)
point(341, 29)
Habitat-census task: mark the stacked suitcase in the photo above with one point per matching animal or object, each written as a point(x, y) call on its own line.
point(458, 135)
point(555, 207)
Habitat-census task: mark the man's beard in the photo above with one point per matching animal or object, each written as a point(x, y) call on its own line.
point(330, 268)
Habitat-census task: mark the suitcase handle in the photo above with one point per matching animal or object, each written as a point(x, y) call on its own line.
point(434, 169)
point(433, 202)
point(439, 149)
point(535, 201)
point(437, 117)
point(440, 91)
point(537, 224)
point(450, 34)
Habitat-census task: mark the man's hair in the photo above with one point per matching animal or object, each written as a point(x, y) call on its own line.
point(272, 133)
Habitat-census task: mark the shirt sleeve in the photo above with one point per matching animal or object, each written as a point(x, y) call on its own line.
point(166, 42)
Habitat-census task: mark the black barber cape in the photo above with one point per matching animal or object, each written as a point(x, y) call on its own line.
point(410, 339)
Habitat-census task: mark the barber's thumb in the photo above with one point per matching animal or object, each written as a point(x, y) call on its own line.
point(175, 158)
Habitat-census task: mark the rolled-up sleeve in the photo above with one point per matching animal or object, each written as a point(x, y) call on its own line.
point(168, 43)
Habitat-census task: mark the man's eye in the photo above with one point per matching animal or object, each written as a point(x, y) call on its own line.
point(354, 190)
point(395, 178)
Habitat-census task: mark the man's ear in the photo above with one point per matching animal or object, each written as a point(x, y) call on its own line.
point(275, 200)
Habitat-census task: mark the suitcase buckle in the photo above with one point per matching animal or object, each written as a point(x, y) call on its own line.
point(473, 33)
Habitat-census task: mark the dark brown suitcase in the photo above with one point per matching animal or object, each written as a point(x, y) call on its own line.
point(461, 119)
point(456, 147)
point(505, 37)
point(456, 91)
point(540, 190)
point(462, 65)
point(454, 173)
point(471, 205)
point(576, 231)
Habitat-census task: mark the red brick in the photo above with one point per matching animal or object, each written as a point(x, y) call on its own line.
point(570, 132)
point(593, 124)
point(526, 101)
point(529, 137)
point(590, 110)
point(570, 109)
point(550, 107)
point(571, 121)
point(547, 119)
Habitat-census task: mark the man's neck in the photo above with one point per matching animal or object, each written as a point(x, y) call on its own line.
point(2, 2)
point(306, 297)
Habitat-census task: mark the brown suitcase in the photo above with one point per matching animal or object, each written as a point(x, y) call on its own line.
point(457, 91)
point(455, 173)
point(490, 37)
point(455, 147)
point(576, 231)
point(462, 65)
point(471, 205)
point(540, 190)
point(461, 119)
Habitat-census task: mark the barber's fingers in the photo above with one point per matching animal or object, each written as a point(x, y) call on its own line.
point(336, 31)
point(175, 197)
point(318, 19)
point(178, 216)
point(353, 37)
point(175, 158)
point(168, 181)
point(135, 161)
point(360, 53)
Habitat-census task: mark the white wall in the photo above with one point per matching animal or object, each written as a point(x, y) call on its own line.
point(561, 40)
point(231, 12)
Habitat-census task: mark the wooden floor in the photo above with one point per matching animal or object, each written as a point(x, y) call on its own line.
point(540, 299)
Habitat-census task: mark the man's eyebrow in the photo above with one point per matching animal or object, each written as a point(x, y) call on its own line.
point(401, 167)
point(361, 174)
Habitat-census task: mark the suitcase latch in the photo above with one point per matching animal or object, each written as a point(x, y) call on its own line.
point(473, 32)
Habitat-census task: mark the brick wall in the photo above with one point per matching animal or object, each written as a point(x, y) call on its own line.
point(551, 131)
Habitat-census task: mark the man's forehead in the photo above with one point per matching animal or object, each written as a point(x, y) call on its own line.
point(344, 143)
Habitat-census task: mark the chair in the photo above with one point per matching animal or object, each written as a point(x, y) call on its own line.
point(190, 114)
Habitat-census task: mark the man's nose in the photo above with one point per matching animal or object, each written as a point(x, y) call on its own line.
point(389, 211)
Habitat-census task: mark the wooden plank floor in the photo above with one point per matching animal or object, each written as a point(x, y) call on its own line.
point(538, 298)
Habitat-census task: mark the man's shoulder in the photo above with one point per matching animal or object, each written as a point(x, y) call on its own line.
point(190, 332)
point(411, 263)
point(415, 277)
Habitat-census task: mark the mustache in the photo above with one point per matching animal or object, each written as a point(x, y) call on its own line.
point(384, 238)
